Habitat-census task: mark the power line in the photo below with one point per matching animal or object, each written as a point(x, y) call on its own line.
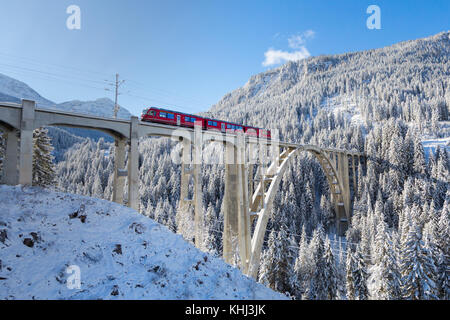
point(59, 80)
point(37, 62)
point(83, 77)
point(165, 104)
point(164, 92)
point(61, 76)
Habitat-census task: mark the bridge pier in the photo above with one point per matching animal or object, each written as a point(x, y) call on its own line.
point(10, 161)
point(26, 142)
point(133, 165)
point(244, 215)
point(198, 201)
point(119, 170)
point(191, 165)
point(344, 206)
point(231, 203)
point(237, 233)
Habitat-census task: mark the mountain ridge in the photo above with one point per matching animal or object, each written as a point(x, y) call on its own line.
point(13, 90)
point(393, 81)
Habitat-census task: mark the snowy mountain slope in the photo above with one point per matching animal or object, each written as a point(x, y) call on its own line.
point(12, 90)
point(103, 107)
point(408, 79)
point(121, 254)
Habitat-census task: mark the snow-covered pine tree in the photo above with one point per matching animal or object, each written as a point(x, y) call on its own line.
point(417, 267)
point(356, 275)
point(301, 267)
point(318, 286)
point(268, 269)
point(443, 234)
point(43, 166)
point(210, 232)
point(284, 261)
point(349, 280)
point(360, 276)
point(384, 280)
point(330, 272)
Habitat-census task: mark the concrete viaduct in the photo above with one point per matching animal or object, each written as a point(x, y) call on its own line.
point(246, 199)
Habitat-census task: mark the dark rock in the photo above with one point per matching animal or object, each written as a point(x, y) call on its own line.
point(28, 242)
point(73, 215)
point(138, 228)
point(115, 291)
point(36, 236)
point(118, 249)
point(83, 218)
point(3, 236)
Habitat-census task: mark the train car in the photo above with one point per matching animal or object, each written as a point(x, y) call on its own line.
point(263, 133)
point(187, 120)
point(169, 117)
point(251, 131)
point(233, 127)
point(213, 124)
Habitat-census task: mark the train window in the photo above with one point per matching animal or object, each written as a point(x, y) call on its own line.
point(192, 119)
point(170, 116)
point(215, 124)
point(163, 115)
point(228, 126)
point(152, 112)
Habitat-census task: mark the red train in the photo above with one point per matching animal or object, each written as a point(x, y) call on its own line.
point(176, 118)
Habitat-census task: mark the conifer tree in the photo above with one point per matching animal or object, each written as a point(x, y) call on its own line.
point(269, 268)
point(356, 275)
point(417, 267)
point(330, 272)
point(384, 281)
point(43, 166)
point(318, 288)
point(301, 267)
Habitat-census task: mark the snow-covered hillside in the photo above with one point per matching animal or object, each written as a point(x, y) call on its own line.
point(12, 90)
point(103, 107)
point(121, 254)
point(407, 81)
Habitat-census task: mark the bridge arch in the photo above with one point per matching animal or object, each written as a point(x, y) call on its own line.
point(6, 126)
point(262, 199)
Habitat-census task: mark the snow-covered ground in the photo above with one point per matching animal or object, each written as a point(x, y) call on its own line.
point(346, 105)
point(120, 253)
point(430, 145)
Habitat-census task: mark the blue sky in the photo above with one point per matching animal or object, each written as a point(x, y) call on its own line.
point(188, 54)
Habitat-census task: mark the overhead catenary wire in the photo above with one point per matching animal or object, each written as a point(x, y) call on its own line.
point(87, 76)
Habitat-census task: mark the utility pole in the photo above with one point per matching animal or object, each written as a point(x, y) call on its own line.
point(117, 84)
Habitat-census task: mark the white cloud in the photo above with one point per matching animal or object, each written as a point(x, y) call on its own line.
point(279, 56)
point(296, 42)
